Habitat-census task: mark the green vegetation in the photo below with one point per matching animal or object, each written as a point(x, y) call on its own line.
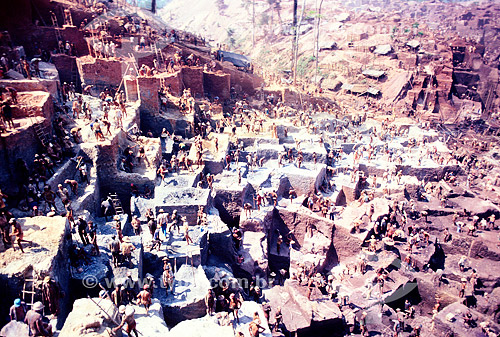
point(304, 64)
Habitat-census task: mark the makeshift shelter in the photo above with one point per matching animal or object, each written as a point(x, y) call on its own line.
point(238, 60)
point(360, 89)
point(373, 73)
point(383, 49)
point(413, 44)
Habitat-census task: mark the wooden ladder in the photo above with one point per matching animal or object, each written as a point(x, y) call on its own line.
point(60, 46)
point(39, 129)
point(490, 97)
point(134, 62)
point(29, 283)
point(74, 74)
point(117, 205)
point(159, 56)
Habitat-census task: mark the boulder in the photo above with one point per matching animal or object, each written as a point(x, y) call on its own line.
point(218, 325)
point(298, 312)
point(305, 179)
point(15, 329)
point(188, 301)
point(88, 319)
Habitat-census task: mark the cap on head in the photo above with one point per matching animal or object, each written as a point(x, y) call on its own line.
point(121, 309)
point(17, 302)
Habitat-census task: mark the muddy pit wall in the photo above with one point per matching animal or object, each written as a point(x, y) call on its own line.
point(217, 84)
point(100, 72)
point(89, 199)
point(345, 245)
point(192, 78)
point(36, 84)
point(150, 103)
point(229, 203)
point(39, 103)
point(242, 81)
point(422, 173)
point(187, 203)
point(110, 179)
point(105, 162)
point(20, 145)
point(55, 266)
point(173, 80)
point(67, 69)
point(151, 119)
point(131, 88)
point(24, 144)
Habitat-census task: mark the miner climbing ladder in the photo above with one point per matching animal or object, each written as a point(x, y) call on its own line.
point(60, 43)
point(117, 205)
point(29, 283)
point(159, 56)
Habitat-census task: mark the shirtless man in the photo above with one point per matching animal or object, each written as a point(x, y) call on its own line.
point(17, 233)
point(185, 229)
point(168, 278)
point(128, 318)
point(234, 306)
point(254, 327)
point(73, 184)
point(144, 298)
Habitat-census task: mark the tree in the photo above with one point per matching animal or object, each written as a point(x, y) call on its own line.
point(277, 7)
point(296, 46)
point(294, 23)
point(316, 44)
point(253, 23)
point(271, 5)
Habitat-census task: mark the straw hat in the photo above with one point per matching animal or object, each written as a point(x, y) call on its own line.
point(38, 306)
